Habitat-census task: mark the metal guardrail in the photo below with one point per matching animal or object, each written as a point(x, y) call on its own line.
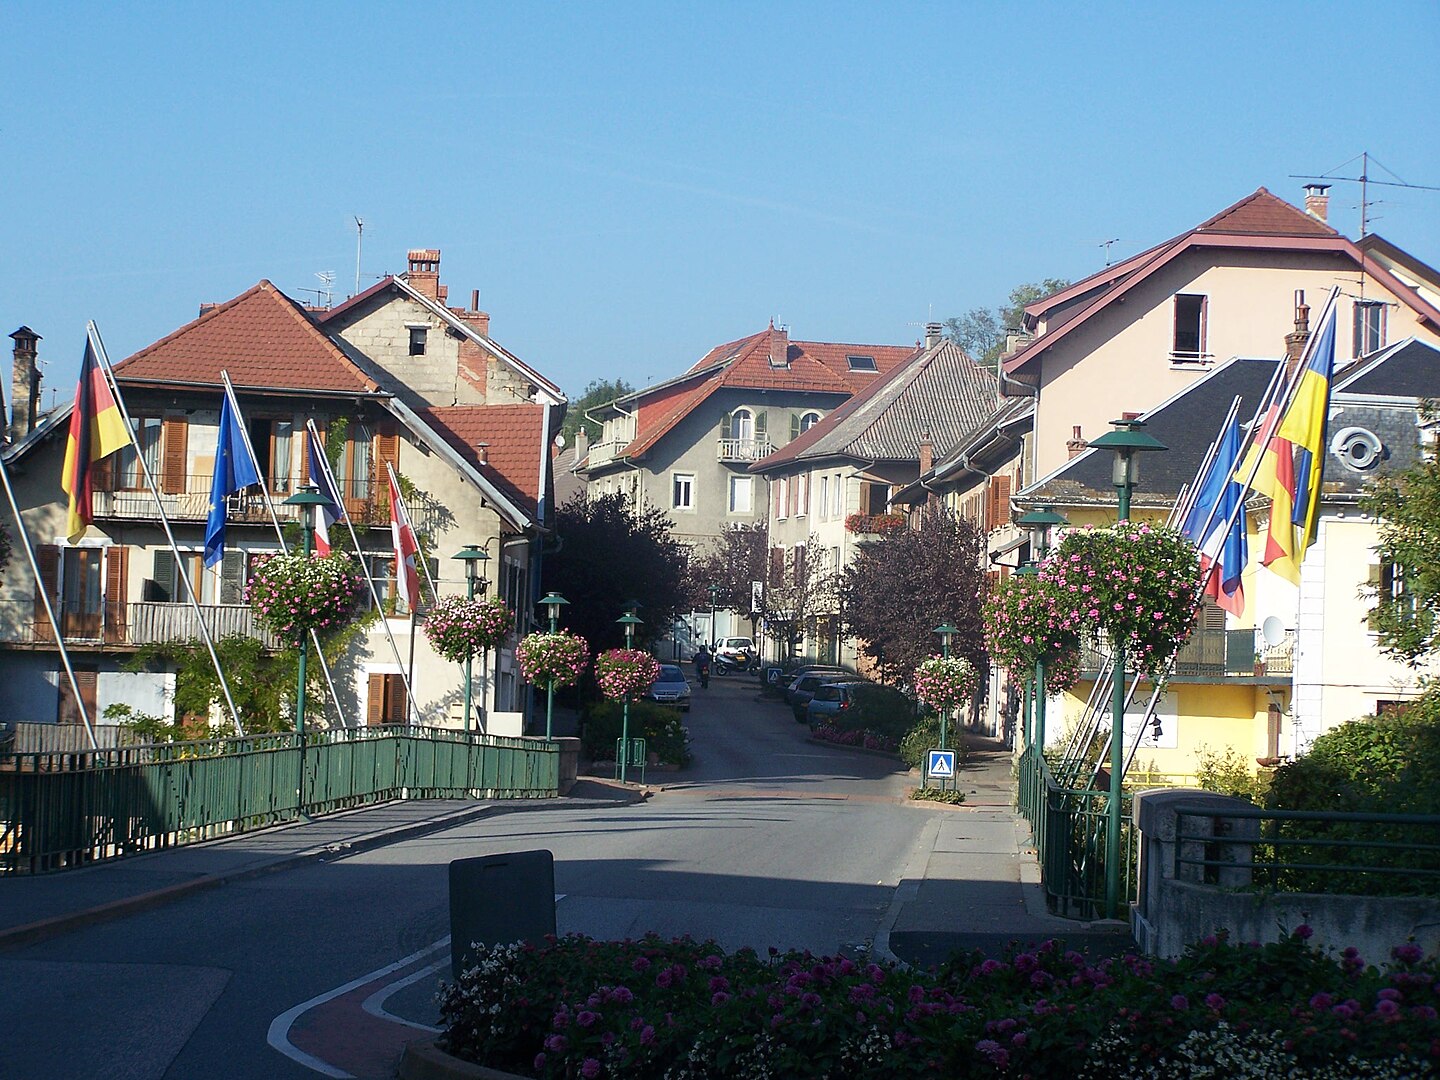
point(1337, 853)
point(62, 810)
point(1069, 826)
point(365, 501)
point(1217, 654)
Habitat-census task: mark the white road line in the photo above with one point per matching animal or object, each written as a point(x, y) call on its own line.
point(375, 1003)
point(279, 1034)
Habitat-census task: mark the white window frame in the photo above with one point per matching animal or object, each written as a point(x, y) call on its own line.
point(738, 484)
point(687, 479)
point(1368, 322)
point(1199, 353)
point(782, 492)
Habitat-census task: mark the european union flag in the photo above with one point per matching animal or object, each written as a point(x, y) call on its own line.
point(234, 470)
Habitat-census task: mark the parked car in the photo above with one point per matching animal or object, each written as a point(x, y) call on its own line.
point(811, 673)
point(807, 687)
point(829, 701)
point(671, 688)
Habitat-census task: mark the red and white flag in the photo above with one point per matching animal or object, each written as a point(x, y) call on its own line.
point(407, 549)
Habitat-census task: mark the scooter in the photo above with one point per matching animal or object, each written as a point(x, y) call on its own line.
point(704, 672)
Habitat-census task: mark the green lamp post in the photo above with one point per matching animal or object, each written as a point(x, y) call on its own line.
point(552, 603)
point(629, 622)
point(474, 558)
point(306, 500)
point(946, 631)
point(1040, 522)
point(1128, 442)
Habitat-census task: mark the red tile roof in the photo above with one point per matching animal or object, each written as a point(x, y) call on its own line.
point(262, 338)
point(1264, 214)
point(513, 433)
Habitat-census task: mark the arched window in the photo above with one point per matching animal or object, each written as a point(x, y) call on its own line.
point(802, 422)
point(742, 424)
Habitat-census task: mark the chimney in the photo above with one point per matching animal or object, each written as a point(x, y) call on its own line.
point(934, 334)
point(1296, 340)
point(482, 453)
point(472, 315)
point(779, 346)
point(424, 273)
point(582, 443)
point(1076, 444)
point(1317, 201)
point(25, 385)
point(927, 451)
point(1016, 340)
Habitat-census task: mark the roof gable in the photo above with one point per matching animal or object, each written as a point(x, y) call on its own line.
point(513, 434)
point(1264, 214)
point(261, 338)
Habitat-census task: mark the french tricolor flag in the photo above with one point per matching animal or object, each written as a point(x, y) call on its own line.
point(333, 509)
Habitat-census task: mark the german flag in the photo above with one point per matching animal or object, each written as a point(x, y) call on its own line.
point(96, 431)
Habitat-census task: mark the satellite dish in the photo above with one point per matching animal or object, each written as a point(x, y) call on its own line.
point(1272, 630)
point(560, 440)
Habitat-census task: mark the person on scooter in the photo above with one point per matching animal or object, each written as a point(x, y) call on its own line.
point(702, 667)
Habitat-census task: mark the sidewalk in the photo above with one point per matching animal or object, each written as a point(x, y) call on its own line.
point(976, 882)
point(36, 907)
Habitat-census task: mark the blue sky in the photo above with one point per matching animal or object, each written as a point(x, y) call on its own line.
point(630, 184)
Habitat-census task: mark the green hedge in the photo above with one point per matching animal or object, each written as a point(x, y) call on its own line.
point(879, 709)
point(658, 725)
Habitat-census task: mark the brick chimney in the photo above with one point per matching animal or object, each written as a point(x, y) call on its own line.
point(477, 319)
point(934, 334)
point(779, 346)
point(1076, 444)
point(927, 453)
point(1296, 340)
point(25, 385)
point(1317, 201)
point(424, 273)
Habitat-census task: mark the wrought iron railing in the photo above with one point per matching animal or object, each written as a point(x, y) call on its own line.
point(1218, 654)
point(146, 622)
point(63, 810)
point(743, 449)
point(366, 502)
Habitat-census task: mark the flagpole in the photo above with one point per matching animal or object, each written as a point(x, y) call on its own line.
point(279, 532)
point(409, 679)
point(180, 571)
point(49, 609)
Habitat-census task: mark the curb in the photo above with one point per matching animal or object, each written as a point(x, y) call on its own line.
point(905, 892)
point(424, 1060)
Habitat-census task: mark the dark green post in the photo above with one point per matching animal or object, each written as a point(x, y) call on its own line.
point(1039, 523)
point(551, 602)
point(945, 630)
point(307, 500)
point(472, 557)
point(629, 621)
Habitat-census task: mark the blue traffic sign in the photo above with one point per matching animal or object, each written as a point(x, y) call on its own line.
point(941, 763)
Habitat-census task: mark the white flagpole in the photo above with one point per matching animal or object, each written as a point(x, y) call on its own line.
point(408, 678)
point(279, 532)
point(45, 600)
point(180, 572)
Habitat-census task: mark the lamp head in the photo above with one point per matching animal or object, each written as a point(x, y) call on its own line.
point(1128, 442)
point(472, 557)
point(553, 602)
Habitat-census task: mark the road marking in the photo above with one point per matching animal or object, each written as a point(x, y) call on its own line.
point(375, 1003)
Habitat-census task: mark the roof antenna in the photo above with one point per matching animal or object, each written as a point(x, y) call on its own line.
point(1365, 180)
point(359, 243)
point(1106, 244)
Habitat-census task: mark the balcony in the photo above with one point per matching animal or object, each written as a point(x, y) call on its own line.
point(609, 450)
point(366, 503)
point(22, 622)
point(743, 449)
point(1221, 655)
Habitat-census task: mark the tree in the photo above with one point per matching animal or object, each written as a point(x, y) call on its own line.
point(1408, 586)
point(735, 560)
point(901, 586)
point(610, 554)
point(981, 331)
point(599, 392)
point(798, 591)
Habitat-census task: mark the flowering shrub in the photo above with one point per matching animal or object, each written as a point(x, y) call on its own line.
point(1025, 621)
point(294, 594)
point(625, 672)
point(684, 1010)
point(459, 627)
point(559, 658)
point(854, 737)
point(945, 683)
point(1136, 582)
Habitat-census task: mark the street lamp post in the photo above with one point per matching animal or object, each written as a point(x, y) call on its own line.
point(714, 596)
point(306, 500)
point(945, 630)
point(473, 557)
point(629, 622)
point(1128, 442)
point(1039, 523)
point(552, 603)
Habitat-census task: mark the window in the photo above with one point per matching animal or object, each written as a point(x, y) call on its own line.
point(385, 702)
point(128, 474)
point(782, 495)
point(417, 340)
point(837, 496)
point(861, 363)
point(741, 494)
point(682, 491)
point(272, 442)
point(875, 498)
point(802, 422)
point(1369, 327)
point(823, 506)
point(742, 425)
point(354, 471)
point(1189, 340)
point(802, 497)
point(216, 585)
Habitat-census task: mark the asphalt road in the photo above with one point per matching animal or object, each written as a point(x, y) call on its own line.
point(766, 840)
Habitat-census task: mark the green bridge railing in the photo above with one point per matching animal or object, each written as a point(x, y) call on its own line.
point(60, 810)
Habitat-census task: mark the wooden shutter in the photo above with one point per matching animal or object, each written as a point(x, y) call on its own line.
point(375, 700)
point(395, 703)
point(800, 564)
point(760, 424)
point(85, 678)
point(794, 426)
point(175, 436)
point(777, 564)
point(47, 556)
point(726, 425)
point(232, 575)
point(163, 582)
point(117, 575)
point(999, 509)
point(387, 452)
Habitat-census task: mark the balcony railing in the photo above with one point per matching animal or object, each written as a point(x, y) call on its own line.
point(143, 623)
point(1221, 654)
point(364, 502)
point(744, 449)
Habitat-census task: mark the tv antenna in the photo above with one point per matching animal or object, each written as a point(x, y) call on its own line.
point(359, 243)
point(1365, 180)
point(325, 294)
point(1107, 244)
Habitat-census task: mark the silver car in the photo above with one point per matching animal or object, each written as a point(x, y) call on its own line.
point(671, 688)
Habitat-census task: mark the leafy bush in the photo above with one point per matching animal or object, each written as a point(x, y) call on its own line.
point(684, 1010)
point(658, 725)
point(1230, 774)
point(881, 710)
point(949, 796)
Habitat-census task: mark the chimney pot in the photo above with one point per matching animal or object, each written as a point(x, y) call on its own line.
point(934, 333)
point(482, 451)
point(1297, 339)
point(474, 299)
point(1317, 201)
point(1076, 444)
point(424, 272)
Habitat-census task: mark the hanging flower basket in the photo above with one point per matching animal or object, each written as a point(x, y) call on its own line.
point(625, 672)
point(945, 683)
point(1025, 621)
point(293, 594)
point(1136, 582)
point(459, 627)
point(557, 658)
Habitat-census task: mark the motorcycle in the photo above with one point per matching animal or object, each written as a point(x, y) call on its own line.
point(728, 660)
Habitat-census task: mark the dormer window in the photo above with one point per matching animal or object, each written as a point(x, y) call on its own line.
point(861, 363)
point(417, 340)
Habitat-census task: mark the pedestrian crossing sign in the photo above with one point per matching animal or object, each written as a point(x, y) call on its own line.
point(941, 764)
